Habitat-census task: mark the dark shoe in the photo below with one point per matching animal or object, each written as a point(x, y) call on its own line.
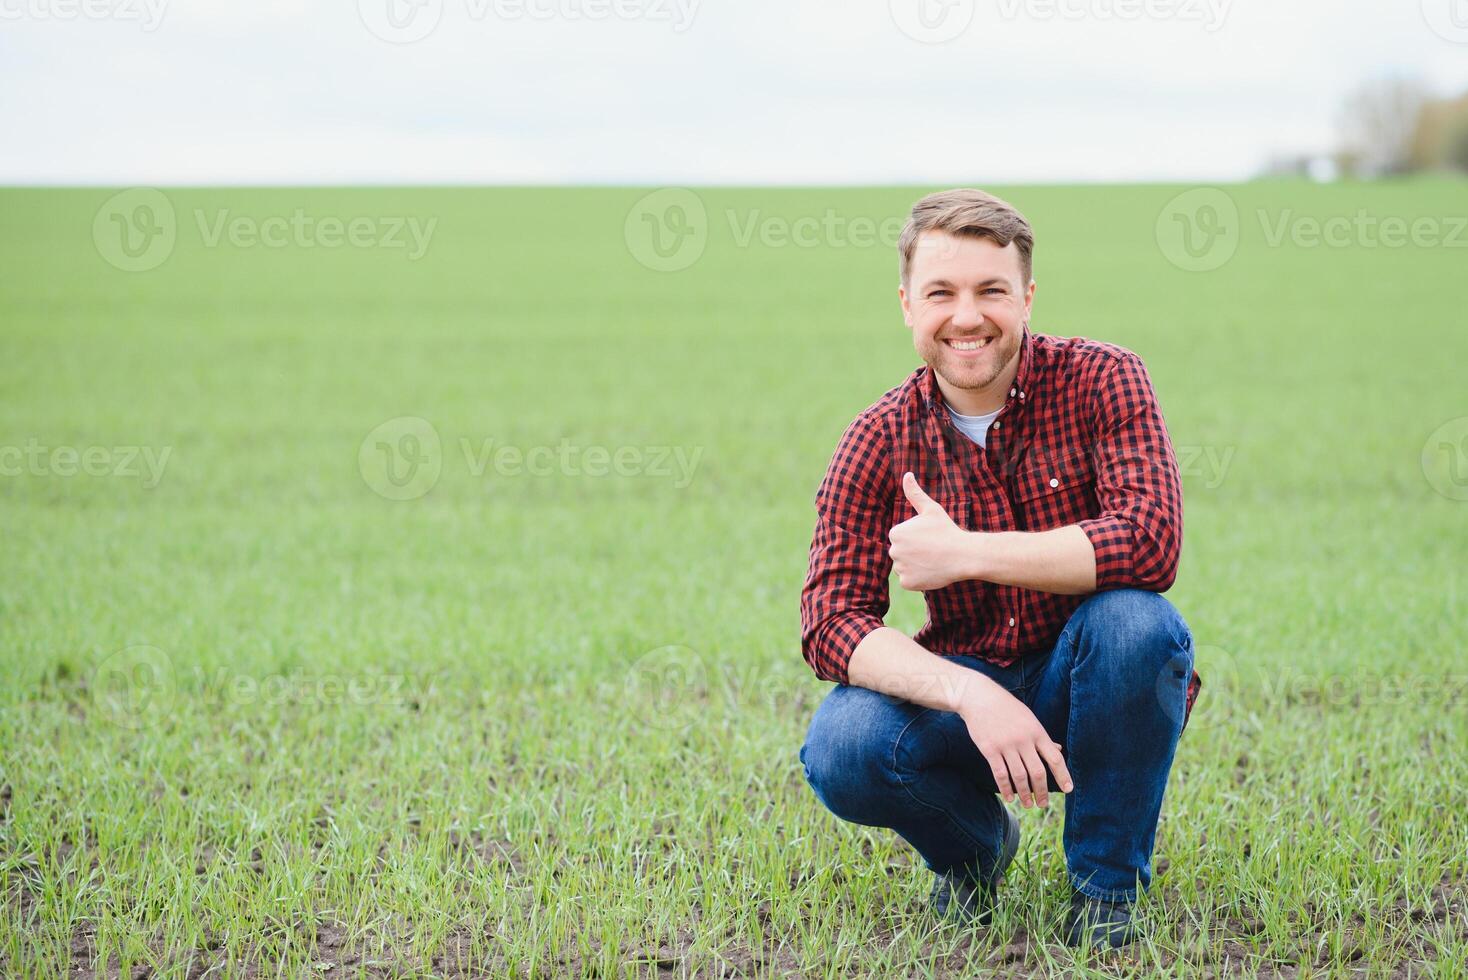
point(956, 895)
point(1093, 922)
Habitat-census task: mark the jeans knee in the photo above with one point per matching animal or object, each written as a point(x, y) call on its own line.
point(1141, 631)
point(847, 758)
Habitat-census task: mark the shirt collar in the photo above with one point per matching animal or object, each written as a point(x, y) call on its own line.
point(1019, 390)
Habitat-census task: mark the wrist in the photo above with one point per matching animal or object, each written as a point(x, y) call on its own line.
point(976, 554)
point(975, 693)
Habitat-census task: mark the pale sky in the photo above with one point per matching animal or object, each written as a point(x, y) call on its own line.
point(692, 91)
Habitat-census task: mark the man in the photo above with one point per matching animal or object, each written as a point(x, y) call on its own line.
point(1027, 486)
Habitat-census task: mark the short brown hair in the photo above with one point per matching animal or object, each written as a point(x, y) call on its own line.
point(968, 211)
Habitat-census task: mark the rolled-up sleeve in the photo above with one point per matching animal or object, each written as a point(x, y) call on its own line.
point(1138, 535)
point(845, 594)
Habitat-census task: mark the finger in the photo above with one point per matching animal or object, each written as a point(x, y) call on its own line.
point(1036, 769)
point(1050, 751)
point(920, 501)
point(898, 531)
point(1001, 777)
point(1019, 775)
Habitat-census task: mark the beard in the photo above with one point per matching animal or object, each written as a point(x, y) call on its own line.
point(969, 374)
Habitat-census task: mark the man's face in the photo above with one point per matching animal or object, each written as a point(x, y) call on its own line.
point(967, 304)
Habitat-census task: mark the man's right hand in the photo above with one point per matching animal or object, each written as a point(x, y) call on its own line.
point(1006, 733)
point(1015, 745)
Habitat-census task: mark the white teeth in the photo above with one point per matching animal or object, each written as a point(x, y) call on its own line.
point(969, 344)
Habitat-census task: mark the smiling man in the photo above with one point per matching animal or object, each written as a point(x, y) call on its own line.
point(1027, 486)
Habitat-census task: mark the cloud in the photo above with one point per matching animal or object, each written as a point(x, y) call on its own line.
point(685, 91)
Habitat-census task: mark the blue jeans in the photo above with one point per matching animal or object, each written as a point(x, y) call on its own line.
point(1111, 692)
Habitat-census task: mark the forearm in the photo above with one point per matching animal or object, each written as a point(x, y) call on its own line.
point(1060, 561)
point(890, 662)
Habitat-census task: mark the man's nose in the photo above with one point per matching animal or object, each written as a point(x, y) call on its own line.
point(967, 314)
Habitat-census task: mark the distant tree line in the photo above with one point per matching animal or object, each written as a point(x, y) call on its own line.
point(1390, 127)
point(1395, 126)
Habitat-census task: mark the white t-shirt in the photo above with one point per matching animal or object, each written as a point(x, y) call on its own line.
point(976, 427)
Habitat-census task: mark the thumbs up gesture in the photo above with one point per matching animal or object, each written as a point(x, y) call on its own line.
point(928, 551)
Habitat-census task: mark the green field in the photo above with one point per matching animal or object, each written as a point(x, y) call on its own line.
point(259, 719)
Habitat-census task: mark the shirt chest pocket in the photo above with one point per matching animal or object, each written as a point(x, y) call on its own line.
point(1053, 495)
point(959, 509)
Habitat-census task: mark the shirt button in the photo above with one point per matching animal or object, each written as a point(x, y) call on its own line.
point(996, 423)
point(1012, 392)
point(1011, 620)
point(1021, 396)
point(1054, 482)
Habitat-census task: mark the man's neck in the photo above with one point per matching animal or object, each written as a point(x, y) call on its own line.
point(979, 401)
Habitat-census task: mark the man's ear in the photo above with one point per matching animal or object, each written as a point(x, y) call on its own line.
point(906, 307)
point(1029, 299)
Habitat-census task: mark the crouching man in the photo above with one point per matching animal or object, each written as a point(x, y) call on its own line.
point(1027, 486)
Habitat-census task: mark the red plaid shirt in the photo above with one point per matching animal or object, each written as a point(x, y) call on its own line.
point(1079, 440)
